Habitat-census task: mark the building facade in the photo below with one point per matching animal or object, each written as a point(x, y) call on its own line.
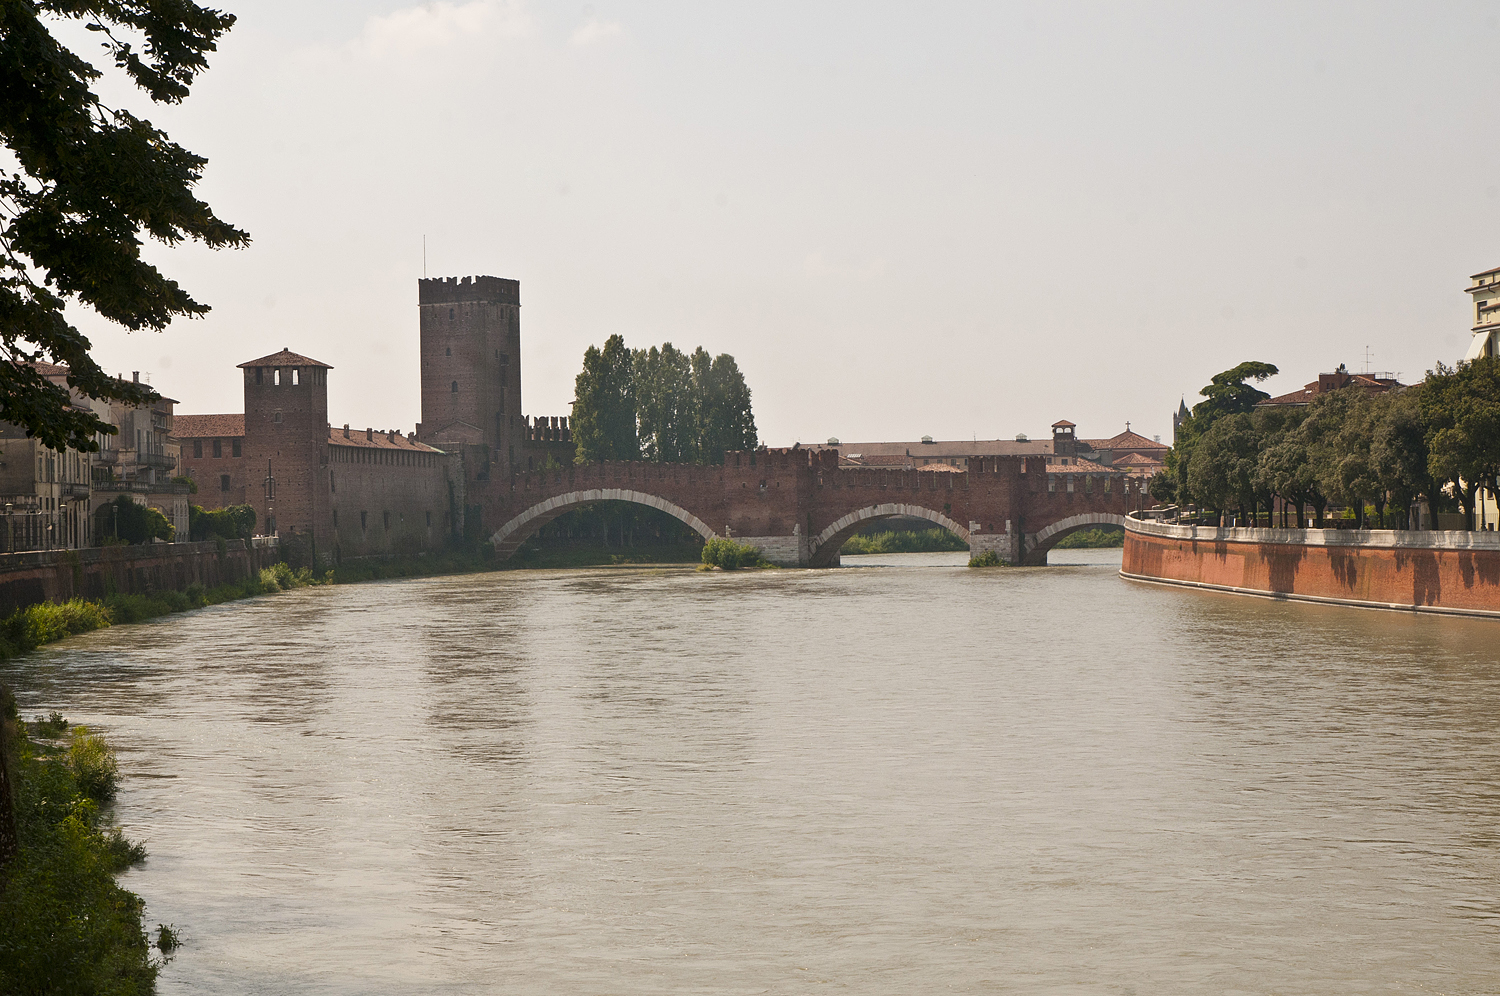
point(345, 493)
point(1484, 288)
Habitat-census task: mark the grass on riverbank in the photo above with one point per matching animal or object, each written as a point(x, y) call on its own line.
point(47, 622)
point(68, 927)
point(919, 541)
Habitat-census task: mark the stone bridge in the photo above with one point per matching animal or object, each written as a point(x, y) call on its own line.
point(799, 507)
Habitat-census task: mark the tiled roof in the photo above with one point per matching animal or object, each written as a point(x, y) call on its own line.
point(202, 426)
point(1064, 424)
point(1078, 467)
point(1126, 440)
point(379, 439)
point(286, 358)
point(1136, 459)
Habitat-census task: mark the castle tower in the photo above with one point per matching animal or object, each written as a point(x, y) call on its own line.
point(471, 364)
point(286, 438)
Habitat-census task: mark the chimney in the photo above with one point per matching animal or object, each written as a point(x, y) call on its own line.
point(369, 434)
point(135, 375)
point(346, 430)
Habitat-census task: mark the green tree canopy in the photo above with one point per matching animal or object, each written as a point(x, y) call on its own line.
point(660, 404)
point(133, 523)
point(604, 404)
point(83, 183)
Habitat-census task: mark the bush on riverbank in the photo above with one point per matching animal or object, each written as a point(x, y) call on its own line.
point(728, 555)
point(904, 541)
point(68, 927)
point(988, 558)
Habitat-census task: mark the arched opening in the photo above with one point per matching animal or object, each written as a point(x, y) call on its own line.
point(826, 546)
point(509, 537)
point(1049, 536)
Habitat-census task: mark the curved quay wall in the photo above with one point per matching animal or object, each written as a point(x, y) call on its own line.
point(1428, 571)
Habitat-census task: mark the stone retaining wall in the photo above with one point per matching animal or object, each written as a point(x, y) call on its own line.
point(58, 575)
point(1425, 571)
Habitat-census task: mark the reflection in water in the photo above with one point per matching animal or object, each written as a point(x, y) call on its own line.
point(901, 776)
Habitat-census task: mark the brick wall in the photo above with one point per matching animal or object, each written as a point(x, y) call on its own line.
point(384, 501)
point(208, 471)
point(1432, 571)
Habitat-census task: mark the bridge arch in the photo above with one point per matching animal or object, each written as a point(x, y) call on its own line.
point(509, 537)
point(827, 543)
point(1049, 536)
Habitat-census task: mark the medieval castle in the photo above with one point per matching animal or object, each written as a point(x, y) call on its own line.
point(356, 492)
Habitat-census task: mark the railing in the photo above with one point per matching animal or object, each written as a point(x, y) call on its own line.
point(143, 488)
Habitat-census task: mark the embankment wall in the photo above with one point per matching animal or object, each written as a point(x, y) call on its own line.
point(1424, 571)
point(57, 575)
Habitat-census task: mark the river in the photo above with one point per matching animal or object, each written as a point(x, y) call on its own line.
point(902, 776)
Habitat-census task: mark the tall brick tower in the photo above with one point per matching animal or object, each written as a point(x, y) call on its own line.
point(286, 438)
point(471, 363)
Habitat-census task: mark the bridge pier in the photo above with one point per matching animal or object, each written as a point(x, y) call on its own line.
point(783, 551)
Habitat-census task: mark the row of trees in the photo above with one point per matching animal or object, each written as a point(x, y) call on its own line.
point(1438, 442)
point(660, 404)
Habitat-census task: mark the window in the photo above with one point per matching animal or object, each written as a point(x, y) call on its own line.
point(332, 485)
point(1051, 482)
point(260, 375)
point(450, 314)
point(429, 520)
point(385, 520)
point(335, 518)
point(197, 449)
point(224, 483)
point(234, 447)
point(364, 520)
point(218, 447)
point(276, 416)
point(455, 387)
point(276, 377)
point(448, 351)
point(296, 376)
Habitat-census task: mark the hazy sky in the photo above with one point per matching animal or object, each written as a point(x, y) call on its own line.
point(946, 219)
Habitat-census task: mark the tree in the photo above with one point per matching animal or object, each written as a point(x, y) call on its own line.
point(666, 415)
point(135, 523)
point(726, 420)
point(604, 405)
point(1223, 471)
point(1461, 409)
point(85, 181)
point(1226, 394)
point(1398, 449)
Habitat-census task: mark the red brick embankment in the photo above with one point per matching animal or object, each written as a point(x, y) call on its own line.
point(1421, 571)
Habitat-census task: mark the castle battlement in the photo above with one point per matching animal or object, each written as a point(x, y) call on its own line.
point(459, 290)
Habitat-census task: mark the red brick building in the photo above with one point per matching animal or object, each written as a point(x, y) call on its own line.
point(349, 493)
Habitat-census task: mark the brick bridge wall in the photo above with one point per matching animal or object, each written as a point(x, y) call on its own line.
point(799, 507)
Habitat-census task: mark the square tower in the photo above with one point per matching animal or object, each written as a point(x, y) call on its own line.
point(471, 363)
point(286, 438)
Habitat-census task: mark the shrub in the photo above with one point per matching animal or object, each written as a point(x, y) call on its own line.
point(66, 926)
point(988, 558)
point(728, 555)
point(93, 765)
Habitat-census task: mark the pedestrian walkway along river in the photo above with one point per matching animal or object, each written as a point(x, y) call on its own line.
point(902, 776)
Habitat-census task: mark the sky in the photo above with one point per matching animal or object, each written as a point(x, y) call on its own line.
point(957, 220)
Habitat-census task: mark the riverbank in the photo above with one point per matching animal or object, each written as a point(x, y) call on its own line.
point(1447, 572)
point(69, 927)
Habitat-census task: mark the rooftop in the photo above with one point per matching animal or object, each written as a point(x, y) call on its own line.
point(203, 426)
point(286, 358)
